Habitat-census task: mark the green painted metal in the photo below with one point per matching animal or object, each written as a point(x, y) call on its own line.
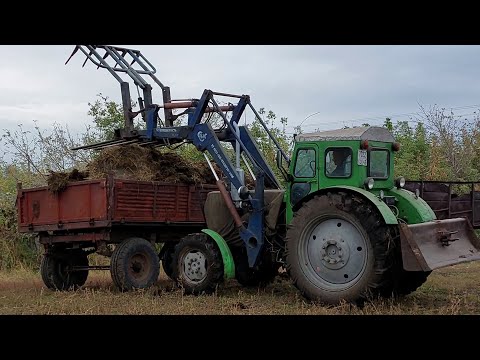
point(355, 182)
point(228, 263)
point(412, 209)
point(387, 214)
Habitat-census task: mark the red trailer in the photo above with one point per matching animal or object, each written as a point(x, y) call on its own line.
point(91, 215)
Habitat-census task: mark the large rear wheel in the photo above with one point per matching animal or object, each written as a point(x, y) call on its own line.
point(338, 248)
point(409, 281)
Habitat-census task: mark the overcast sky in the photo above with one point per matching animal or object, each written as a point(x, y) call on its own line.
point(341, 83)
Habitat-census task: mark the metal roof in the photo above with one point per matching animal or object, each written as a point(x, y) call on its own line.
point(372, 133)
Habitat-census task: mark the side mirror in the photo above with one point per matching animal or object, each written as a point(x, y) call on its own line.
point(278, 159)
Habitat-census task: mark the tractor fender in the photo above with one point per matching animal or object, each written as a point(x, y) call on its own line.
point(387, 214)
point(413, 209)
point(228, 263)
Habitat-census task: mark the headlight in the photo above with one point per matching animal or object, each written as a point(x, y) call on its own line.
point(369, 183)
point(400, 182)
point(243, 192)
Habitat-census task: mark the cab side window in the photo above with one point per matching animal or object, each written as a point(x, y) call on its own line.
point(305, 165)
point(379, 160)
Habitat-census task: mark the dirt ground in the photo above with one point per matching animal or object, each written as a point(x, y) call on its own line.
point(452, 290)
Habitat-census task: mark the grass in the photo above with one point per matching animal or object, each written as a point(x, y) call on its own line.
point(448, 291)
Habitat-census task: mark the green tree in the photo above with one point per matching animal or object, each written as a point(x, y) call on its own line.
point(388, 124)
point(265, 144)
point(107, 116)
point(413, 159)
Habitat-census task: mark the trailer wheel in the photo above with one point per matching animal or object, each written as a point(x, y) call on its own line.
point(338, 248)
point(166, 256)
point(197, 264)
point(55, 270)
point(134, 264)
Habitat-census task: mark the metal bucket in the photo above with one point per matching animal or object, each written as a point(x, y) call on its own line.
point(439, 243)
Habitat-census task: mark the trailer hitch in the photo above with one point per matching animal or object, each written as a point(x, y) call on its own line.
point(445, 237)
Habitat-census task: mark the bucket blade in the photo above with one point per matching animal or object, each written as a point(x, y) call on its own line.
point(439, 243)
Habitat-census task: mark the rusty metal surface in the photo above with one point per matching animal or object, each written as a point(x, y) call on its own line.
point(412, 257)
point(187, 104)
point(94, 236)
point(229, 204)
point(82, 203)
point(139, 201)
point(446, 203)
point(438, 243)
point(97, 204)
point(81, 225)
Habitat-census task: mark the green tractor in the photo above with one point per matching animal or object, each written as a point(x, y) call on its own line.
point(352, 231)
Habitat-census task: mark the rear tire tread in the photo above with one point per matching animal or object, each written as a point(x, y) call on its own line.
point(379, 235)
point(120, 259)
point(55, 279)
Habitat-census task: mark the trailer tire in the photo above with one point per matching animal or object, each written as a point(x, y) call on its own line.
point(55, 274)
point(353, 263)
point(134, 264)
point(197, 264)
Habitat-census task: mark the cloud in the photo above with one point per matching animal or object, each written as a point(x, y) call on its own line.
point(342, 83)
point(72, 114)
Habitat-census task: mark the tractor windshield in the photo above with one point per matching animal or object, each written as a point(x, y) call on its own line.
point(338, 162)
point(378, 163)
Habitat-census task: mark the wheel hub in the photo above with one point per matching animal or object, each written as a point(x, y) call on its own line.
point(139, 266)
point(334, 255)
point(194, 266)
point(334, 252)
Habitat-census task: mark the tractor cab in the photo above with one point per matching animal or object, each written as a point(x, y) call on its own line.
point(359, 157)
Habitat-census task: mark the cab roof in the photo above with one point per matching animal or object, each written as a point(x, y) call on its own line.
point(372, 133)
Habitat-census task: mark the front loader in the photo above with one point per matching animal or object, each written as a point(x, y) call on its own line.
point(339, 222)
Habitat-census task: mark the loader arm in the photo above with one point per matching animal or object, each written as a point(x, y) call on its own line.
point(121, 61)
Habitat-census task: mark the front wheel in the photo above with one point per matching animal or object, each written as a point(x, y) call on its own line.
point(197, 264)
point(338, 249)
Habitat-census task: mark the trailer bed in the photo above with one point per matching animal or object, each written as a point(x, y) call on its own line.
point(91, 205)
